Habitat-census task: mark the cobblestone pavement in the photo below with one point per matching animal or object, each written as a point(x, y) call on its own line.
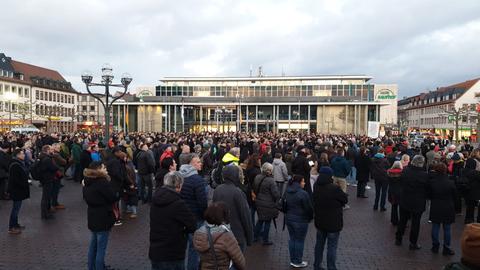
point(365, 243)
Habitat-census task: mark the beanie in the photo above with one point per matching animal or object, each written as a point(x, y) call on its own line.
point(325, 170)
point(471, 244)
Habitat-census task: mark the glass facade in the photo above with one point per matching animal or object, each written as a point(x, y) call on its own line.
point(363, 92)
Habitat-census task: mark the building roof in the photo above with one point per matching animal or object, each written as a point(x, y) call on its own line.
point(270, 78)
point(30, 71)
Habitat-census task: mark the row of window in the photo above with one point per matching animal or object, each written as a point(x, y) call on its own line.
point(6, 73)
point(433, 100)
point(20, 91)
point(361, 91)
point(54, 96)
point(84, 108)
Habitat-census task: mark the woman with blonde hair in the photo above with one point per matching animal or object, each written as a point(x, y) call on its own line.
point(405, 160)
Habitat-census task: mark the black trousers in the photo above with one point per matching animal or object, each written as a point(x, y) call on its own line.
point(3, 187)
point(46, 198)
point(470, 212)
point(394, 216)
point(405, 215)
point(361, 188)
point(381, 191)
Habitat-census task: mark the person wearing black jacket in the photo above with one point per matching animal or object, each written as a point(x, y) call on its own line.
point(378, 170)
point(145, 168)
point(170, 223)
point(18, 188)
point(442, 209)
point(99, 196)
point(117, 171)
point(5, 160)
point(167, 165)
point(472, 194)
point(413, 197)
point(48, 170)
point(300, 165)
point(362, 163)
point(328, 203)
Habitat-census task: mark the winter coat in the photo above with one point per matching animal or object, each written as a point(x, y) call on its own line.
point(298, 204)
point(251, 173)
point(225, 246)
point(394, 186)
point(473, 177)
point(145, 163)
point(378, 168)
point(85, 159)
point(414, 184)
point(5, 160)
point(341, 167)
point(362, 163)
point(118, 173)
point(99, 196)
point(442, 195)
point(48, 168)
point(328, 202)
point(76, 151)
point(267, 197)
point(159, 177)
point(170, 223)
point(280, 172)
point(300, 166)
point(18, 186)
point(236, 201)
point(194, 191)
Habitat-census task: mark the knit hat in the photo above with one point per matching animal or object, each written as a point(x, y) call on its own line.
point(471, 244)
point(325, 170)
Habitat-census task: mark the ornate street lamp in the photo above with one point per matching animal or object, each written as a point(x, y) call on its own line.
point(107, 82)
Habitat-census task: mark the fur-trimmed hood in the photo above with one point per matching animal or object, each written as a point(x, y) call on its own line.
point(95, 174)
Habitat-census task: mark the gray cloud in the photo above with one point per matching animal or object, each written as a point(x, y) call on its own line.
point(418, 44)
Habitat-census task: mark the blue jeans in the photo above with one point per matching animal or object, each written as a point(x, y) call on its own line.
point(297, 232)
point(262, 229)
point(97, 250)
point(332, 242)
point(14, 214)
point(169, 265)
point(352, 177)
point(447, 234)
point(193, 259)
point(146, 187)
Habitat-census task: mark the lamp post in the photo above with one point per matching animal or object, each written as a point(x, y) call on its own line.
point(10, 97)
point(107, 82)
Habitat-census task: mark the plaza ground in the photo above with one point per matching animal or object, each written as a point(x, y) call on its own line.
point(366, 242)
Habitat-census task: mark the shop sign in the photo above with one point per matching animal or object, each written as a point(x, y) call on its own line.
point(386, 94)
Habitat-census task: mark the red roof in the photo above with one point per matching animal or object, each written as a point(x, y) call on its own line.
point(464, 85)
point(36, 71)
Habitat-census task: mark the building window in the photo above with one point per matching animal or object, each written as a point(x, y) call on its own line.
point(1, 89)
point(92, 108)
point(84, 108)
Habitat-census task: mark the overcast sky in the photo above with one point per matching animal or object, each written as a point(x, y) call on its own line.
point(418, 44)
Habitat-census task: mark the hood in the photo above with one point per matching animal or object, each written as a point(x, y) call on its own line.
point(229, 158)
point(165, 196)
point(379, 155)
point(95, 174)
point(277, 161)
point(201, 236)
point(231, 174)
point(187, 170)
point(324, 179)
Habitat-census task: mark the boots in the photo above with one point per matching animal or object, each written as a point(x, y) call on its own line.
point(447, 251)
point(435, 248)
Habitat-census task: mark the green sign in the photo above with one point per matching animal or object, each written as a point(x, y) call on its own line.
point(386, 94)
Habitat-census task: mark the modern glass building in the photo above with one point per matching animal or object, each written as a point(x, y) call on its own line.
point(329, 104)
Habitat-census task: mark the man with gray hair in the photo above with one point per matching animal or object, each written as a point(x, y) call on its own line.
point(170, 221)
point(414, 182)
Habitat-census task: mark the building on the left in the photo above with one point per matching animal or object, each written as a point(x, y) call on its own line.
point(33, 95)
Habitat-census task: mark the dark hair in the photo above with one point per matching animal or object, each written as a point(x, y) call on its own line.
point(217, 214)
point(17, 151)
point(278, 155)
point(167, 162)
point(440, 168)
point(253, 161)
point(296, 178)
point(95, 165)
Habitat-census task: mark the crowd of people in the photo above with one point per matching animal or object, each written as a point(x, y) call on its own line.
point(211, 195)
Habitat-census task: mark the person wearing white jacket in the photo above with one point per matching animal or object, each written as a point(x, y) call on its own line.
point(280, 173)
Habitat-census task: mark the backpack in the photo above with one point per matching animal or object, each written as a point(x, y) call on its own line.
point(35, 170)
point(216, 176)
